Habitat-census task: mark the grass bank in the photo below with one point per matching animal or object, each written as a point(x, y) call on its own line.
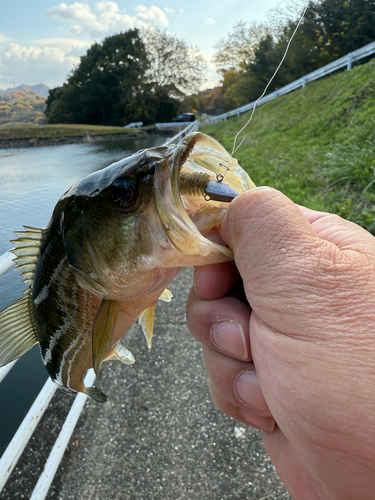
point(317, 144)
point(29, 131)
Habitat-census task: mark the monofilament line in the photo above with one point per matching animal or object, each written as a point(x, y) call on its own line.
point(270, 81)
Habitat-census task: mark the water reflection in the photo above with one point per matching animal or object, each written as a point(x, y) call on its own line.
point(31, 182)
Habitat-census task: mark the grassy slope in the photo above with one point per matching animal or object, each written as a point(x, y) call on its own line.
point(317, 144)
point(56, 131)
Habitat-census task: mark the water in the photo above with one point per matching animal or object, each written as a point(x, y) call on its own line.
point(31, 182)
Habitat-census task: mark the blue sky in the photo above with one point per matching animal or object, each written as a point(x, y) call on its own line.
point(41, 40)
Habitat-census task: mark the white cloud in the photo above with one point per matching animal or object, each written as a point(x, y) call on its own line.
point(14, 52)
point(74, 12)
point(66, 44)
point(49, 61)
point(210, 21)
point(167, 9)
point(153, 15)
point(46, 61)
point(106, 17)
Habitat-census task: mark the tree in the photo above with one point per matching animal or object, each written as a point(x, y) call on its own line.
point(159, 105)
point(344, 26)
point(173, 64)
point(106, 87)
point(329, 30)
point(237, 49)
point(128, 77)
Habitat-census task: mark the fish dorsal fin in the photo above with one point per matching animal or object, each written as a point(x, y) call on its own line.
point(121, 353)
point(166, 296)
point(102, 334)
point(146, 321)
point(27, 246)
point(17, 332)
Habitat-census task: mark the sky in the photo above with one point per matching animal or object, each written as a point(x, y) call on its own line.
point(41, 40)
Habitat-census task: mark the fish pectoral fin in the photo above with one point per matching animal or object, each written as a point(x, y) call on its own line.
point(17, 332)
point(121, 353)
point(146, 320)
point(166, 296)
point(102, 334)
point(96, 394)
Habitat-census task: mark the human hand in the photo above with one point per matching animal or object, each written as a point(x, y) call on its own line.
point(303, 355)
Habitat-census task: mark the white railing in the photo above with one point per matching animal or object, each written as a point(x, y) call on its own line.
point(19, 442)
point(345, 61)
point(176, 138)
point(168, 125)
point(134, 125)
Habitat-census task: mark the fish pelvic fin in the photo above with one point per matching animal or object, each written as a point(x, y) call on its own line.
point(26, 249)
point(96, 394)
point(102, 334)
point(166, 296)
point(147, 317)
point(120, 353)
point(17, 330)
point(146, 321)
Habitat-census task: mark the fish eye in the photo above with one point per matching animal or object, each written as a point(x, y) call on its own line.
point(124, 193)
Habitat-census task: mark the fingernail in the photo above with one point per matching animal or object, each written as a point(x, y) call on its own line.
point(249, 392)
point(229, 336)
point(263, 423)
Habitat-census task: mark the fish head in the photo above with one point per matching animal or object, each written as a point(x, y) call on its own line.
point(127, 229)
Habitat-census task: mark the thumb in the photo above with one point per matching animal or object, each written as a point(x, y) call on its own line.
point(288, 271)
point(266, 230)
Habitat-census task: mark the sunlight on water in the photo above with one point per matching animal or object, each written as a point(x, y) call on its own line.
point(31, 182)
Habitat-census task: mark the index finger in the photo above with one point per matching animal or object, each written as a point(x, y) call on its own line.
point(215, 280)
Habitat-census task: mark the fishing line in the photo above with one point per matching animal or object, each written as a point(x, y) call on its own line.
point(269, 82)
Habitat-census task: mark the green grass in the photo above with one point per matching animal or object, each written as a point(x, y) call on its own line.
point(317, 144)
point(29, 131)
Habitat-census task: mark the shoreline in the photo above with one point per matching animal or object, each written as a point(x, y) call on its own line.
point(56, 141)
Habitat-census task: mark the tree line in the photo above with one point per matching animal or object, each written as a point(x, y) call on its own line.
point(130, 76)
point(150, 76)
point(249, 55)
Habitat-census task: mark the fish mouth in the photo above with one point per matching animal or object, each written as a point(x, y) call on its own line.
point(192, 193)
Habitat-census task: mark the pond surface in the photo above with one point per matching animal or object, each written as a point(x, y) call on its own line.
point(31, 182)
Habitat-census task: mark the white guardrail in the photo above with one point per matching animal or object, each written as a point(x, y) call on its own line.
point(19, 442)
point(345, 61)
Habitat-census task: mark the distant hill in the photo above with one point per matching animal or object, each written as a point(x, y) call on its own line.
point(40, 89)
point(23, 106)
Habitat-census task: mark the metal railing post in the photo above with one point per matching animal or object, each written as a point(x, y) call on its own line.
point(350, 60)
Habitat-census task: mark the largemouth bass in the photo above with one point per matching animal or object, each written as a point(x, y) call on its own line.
point(114, 242)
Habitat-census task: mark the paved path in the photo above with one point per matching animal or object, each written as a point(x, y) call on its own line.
point(159, 437)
